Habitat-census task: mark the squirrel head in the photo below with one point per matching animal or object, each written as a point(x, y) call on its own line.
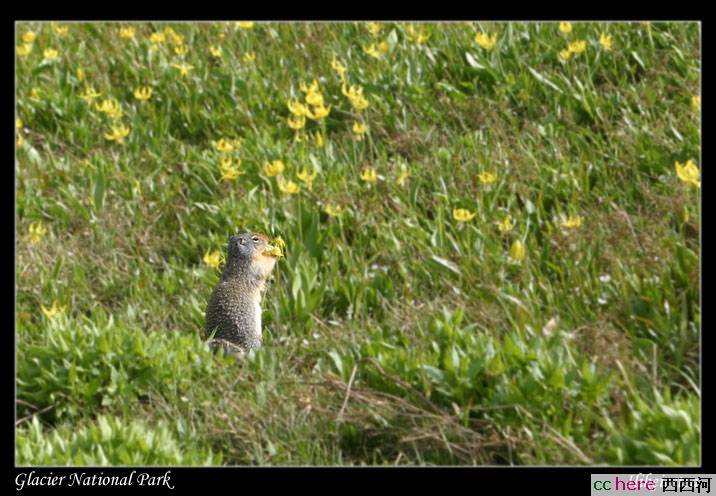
point(251, 251)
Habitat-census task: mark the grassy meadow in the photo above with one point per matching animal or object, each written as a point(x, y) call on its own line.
point(492, 232)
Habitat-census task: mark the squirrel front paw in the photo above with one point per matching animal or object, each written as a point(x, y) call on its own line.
point(227, 348)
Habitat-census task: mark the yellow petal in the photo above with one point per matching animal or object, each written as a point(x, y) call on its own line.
point(518, 251)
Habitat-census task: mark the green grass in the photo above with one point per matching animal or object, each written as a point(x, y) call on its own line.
point(393, 333)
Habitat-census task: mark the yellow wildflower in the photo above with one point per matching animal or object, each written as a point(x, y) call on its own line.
point(318, 139)
point(18, 124)
point(319, 112)
point(309, 89)
point(183, 68)
point(333, 210)
point(176, 39)
point(306, 89)
point(487, 177)
point(696, 102)
point(245, 24)
point(119, 132)
point(565, 27)
point(402, 178)
point(463, 215)
point(275, 249)
point(518, 252)
point(577, 47)
point(505, 225)
point(359, 129)
point(565, 54)
point(373, 51)
point(158, 37)
point(296, 122)
point(369, 175)
point(215, 51)
point(417, 36)
point(279, 243)
point(213, 259)
point(374, 28)
point(50, 54)
point(37, 231)
point(110, 106)
point(24, 49)
point(315, 98)
point(181, 50)
point(312, 92)
point(298, 109)
point(127, 33)
point(54, 310)
point(225, 162)
point(421, 38)
point(355, 96)
point(59, 30)
point(689, 173)
point(29, 36)
point(249, 57)
point(572, 222)
point(90, 94)
point(229, 173)
point(307, 177)
point(272, 251)
point(485, 40)
point(273, 168)
point(338, 67)
point(288, 186)
point(143, 94)
point(35, 94)
point(224, 145)
point(606, 41)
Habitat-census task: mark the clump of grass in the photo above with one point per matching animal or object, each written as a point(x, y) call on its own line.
point(74, 366)
point(108, 441)
point(658, 430)
point(514, 381)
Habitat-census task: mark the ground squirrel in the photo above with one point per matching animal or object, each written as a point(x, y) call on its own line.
point(233, 316)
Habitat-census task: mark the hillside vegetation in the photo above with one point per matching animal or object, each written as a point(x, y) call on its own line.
point(492, 232)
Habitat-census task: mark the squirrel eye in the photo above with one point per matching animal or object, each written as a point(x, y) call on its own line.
point(256, 239)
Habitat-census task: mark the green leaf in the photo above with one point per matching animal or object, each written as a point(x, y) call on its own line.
point(542, 79)
point(435, 374)
point(636, 57)
point(451, 90)
point(392, 39)
point(33, 155)
point(337, 361)
point(451, 266)
point(43, 67)
point(556, 378)
point(511, 348)
point(472, 62)
point(99, 189)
